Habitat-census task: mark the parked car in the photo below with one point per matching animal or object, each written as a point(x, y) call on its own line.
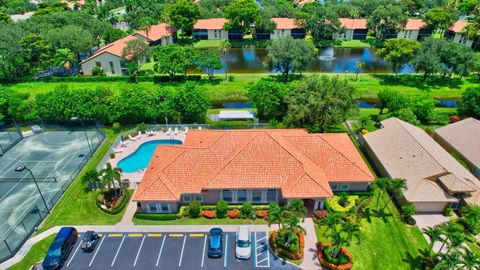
point(215, 243)
point(60, 248)
point(90, 240)
point(243, 243)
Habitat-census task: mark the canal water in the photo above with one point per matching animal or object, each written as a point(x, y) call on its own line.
point(333, 60)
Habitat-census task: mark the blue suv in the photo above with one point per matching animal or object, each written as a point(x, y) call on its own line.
point(60, 248)
point(215, 243)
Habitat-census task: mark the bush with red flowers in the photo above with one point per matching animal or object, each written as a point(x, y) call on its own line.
point(208, 214)
point(262, 214)
point(454, 118)
point(235, 213)
point(320, 213)
point(323, 257)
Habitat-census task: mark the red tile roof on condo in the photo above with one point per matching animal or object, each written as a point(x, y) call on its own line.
point(415, 24)
point(115, 48)
point(157, 32)
point(285, 23)
point(353, 23)
point(458, 26)
point(210, 24)
point(298, 163)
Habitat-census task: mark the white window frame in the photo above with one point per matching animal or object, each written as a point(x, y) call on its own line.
point(246, 195)
point(262, 197)
point(191, 197)
point(276, 194)
point(232, 200)
point(158, 207)
point(334, 186)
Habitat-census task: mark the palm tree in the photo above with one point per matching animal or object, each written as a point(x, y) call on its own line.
point(225, 45)
point(359, 66)
point(434, 234)
point(409, 210)
point(331, 221)
point(146, 23)
point(292, 225)
point(448, 261)
point(469, 260)
point(109, 175)
point(470, 215)
point(275, 215)
point(297, 208)
point(343, 236)
point(454, 236)
point(91, 176)
point(65, 58)
point(380, 185)
point(394, 184)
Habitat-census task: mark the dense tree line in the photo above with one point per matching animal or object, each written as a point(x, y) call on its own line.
point(132, 104)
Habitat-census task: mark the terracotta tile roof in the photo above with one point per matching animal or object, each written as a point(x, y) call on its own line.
point(285, 159)
point(285, 23)
point(115, 48)
point(408, 152)
point(463, 136)
point(353, 23)
point(458, 26)
point(415, 24)
point(210, 24)
point(157, 32)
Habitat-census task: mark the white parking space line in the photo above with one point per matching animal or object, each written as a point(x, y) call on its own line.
point(118, 250)
point(226, 251)
point(96, 251)
point(255, 257)
point(268, 253)
point(71, 259)
point(261, 261)
point(139, 249)
point(204, 247)
point(161, 249)
point(183, 247)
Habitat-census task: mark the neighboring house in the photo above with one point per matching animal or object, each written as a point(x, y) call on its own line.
point(160, 34)
point(415, 29)
point(286, 27)
point(21, 17)
point(259, 166)
point(456, 34)
point(462, 137)
point(355, 29)
point(109, 58)
point(434, 178)
point(210, 29)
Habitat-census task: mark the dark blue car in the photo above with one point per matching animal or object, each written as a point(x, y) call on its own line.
point(60, 248)
point(215, 243)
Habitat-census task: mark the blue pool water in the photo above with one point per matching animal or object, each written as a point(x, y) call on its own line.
point(141, 157)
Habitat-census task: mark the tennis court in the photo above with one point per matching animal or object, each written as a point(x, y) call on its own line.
point(55, 158)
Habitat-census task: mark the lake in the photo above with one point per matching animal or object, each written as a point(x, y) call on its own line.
point(332, 60)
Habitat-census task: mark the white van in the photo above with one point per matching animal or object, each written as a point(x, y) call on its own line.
point(243, 243)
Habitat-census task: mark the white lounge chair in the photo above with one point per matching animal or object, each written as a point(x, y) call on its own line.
point(139, 136)
point(150, 133)
point(116, 151)
point(123, 143)
point(169, 131)
point(186, 130)
point(132, 138)
point(176, 131)
point(199, 128)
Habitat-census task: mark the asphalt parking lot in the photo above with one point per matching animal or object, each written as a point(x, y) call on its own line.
point(170, 251)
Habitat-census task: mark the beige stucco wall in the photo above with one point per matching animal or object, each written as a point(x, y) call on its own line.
point(217, 34)
point(356, 186)
point(430, 207)
point(459, 38)
point(347, 35)
point(104, 59)
point(173, 206)
point(280, 33)
point(408, 34)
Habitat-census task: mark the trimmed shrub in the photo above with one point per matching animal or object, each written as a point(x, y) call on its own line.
point(116, 127)
point(231, 78)
point(262, 214)
point(112, 155)
point(233, 214)
point(344, 260)
point(221, 208)
point(448, 212)
point(320, 213)
point(194, 209)
point(134, 133)
point(333, 204)
point(208, 214)
point(118, 207)
point(246, 210)
point(155, 216)
point(343, 199)
point(97, 71)
point(176, 78)
point(296, 250)
point(142, 127)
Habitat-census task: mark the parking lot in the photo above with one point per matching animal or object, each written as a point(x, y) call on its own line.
point(170, 251)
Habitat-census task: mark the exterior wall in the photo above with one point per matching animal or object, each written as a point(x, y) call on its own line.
point(349, 186)
point(459, 38)
point(211, 196)
point(430, 207)
point(347, 35)
point(173, 207)
point(408, 34)
point(280, 33)
point(217, 34)
point(163, 41)
point(104, 59)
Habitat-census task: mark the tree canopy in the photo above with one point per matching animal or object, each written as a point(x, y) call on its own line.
point(385, 20)
point(398, 52)
point(241, 14)
point(183, 14)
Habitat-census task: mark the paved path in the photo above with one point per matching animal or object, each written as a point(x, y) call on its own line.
point(127, 217)
point(310, 261)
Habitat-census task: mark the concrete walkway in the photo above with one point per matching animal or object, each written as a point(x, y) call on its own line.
point(310, 261)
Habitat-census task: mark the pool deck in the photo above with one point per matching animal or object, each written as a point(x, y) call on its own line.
point(132, 146)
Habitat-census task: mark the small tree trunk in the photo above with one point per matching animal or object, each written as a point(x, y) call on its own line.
point(425, 74)
point(385, 206)
point(356, 76)
point(378, 203)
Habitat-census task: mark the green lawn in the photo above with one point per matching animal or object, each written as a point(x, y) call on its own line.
point(385, 243)
point(204, 44)
point(198, 221)
point(353, 44)
point(78, 207)
point(35, 254)
point(367, 86)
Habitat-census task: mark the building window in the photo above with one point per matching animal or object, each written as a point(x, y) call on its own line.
point(186, 198)
point(98, 64)
point(271, 195)
point(152, 207)
point(334, 186)
point(227, 195)
point(165, 207)
point(242, 195)
point(256, 196)
point(344, 186)
point(112, 68)
point(197, 197)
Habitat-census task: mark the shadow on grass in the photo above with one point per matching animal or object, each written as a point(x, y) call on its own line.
point(416, 81)
point(418, 261)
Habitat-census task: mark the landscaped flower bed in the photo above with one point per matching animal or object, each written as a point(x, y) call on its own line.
point(296, 249)
point(344, 260)
point(333, 203)
point(208, 214)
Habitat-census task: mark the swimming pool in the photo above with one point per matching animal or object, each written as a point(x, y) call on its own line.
point(141, 157)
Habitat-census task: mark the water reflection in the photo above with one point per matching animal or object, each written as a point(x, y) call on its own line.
point(336, 60)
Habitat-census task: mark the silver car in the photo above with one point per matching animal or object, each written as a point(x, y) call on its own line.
point(243, 243)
